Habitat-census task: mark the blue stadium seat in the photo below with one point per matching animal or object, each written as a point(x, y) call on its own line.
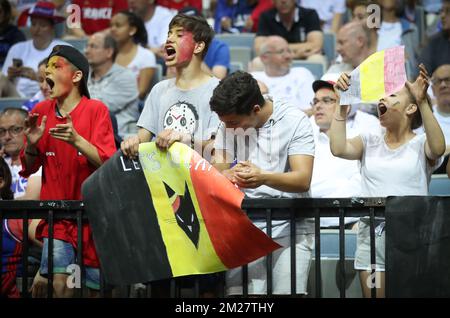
point(158, 76)
point(11, 102)
point(439, 185)
point(241, 54)
point(79, 44)
point(236, 66)
point(241, 39)
point(329, 244)
point(329, 46)
point(316, 68)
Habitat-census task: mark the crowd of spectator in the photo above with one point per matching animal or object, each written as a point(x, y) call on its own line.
point(163, 70)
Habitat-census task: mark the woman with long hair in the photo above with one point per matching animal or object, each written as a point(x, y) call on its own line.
point(131, 36)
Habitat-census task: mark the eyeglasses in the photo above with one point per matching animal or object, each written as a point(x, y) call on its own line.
point(13, 131)
point(325, 100)
point(438, 81)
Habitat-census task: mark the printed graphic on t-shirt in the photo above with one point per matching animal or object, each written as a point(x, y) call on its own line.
point(181, 117)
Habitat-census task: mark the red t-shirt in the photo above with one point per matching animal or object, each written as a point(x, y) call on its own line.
point(96, 15)
point(64, 169)
point(181, 4)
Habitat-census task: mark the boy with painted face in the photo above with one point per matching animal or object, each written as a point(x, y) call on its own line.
point(70, 136)
point(177, 109)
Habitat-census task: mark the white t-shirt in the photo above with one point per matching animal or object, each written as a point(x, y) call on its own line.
point(389, 35)
point(444, 122)
point(19, 184)
point(326, 9)
point(295, 87)
point(364, 122)
point(401, 171)
point(31, 58)
point(158, 26)
point(333, 177)
point(144, 59)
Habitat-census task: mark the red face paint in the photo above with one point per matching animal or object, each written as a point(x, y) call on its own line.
point(186, 46)
point(60, 72)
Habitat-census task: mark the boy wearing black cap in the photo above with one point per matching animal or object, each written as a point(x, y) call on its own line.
point(69, 136)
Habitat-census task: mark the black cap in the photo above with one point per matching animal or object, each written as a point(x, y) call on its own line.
point(78, 60)
point(316, 85)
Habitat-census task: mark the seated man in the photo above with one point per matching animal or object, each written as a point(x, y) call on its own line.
point(111, 83)
point(441, 90)
point(332, 177)
point(284, 81)
point(299, 26)
point(12, 139)
point(277, 162)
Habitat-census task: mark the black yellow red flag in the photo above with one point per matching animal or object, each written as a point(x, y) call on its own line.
point(169, 214)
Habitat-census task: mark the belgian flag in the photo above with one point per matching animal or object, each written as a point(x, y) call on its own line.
point(169, 214)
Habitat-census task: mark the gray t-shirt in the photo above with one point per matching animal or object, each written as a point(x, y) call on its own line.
point(186, 111)
point(288, 132)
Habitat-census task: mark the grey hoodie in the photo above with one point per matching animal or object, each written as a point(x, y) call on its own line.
point(288, 132)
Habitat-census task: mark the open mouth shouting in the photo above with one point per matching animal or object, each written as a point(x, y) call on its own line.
point(382, 109)
point(170, 53)
point(50, 82)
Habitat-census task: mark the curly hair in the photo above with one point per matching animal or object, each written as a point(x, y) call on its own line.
point(236, 94)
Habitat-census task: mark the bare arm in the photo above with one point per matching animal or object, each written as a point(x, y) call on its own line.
point(130, 146)
point(351, 149)
point(218, 71)
point(145, 80)
point(313, 45)
point(297, 180)
point(336, 23)
point(435, 143)
point(33, 190)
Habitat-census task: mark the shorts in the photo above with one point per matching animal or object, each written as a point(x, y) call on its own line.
point(281, 269)
point(362, 255)
point(64, 255)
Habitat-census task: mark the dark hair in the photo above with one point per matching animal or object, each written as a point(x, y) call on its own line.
point(140, 37)
point(197, 25)
point(7, 12)
point(43, 62)
point(236, 94)
point(5, 192)
point(416, 121)
point(110, 43)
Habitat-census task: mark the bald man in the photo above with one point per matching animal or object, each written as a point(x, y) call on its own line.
point(354, 45)
point(282, 80)
point(441, 90)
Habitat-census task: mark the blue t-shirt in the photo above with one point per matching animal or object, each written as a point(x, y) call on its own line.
point(218, 54)
point(10, 36)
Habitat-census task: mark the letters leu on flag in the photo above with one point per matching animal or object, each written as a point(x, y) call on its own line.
point(381, 74)
point(169, 214)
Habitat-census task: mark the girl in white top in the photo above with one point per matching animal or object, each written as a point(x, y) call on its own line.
point(131, 36)
point(395, 162)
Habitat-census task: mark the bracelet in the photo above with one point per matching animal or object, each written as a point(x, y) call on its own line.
point(32, 153)
point(338, 119)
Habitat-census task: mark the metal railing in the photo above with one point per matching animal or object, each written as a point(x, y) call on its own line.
point(270, 209)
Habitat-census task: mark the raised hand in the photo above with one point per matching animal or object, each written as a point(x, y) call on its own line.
point(419, 88)
point(33, 132)
point(65, 132)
